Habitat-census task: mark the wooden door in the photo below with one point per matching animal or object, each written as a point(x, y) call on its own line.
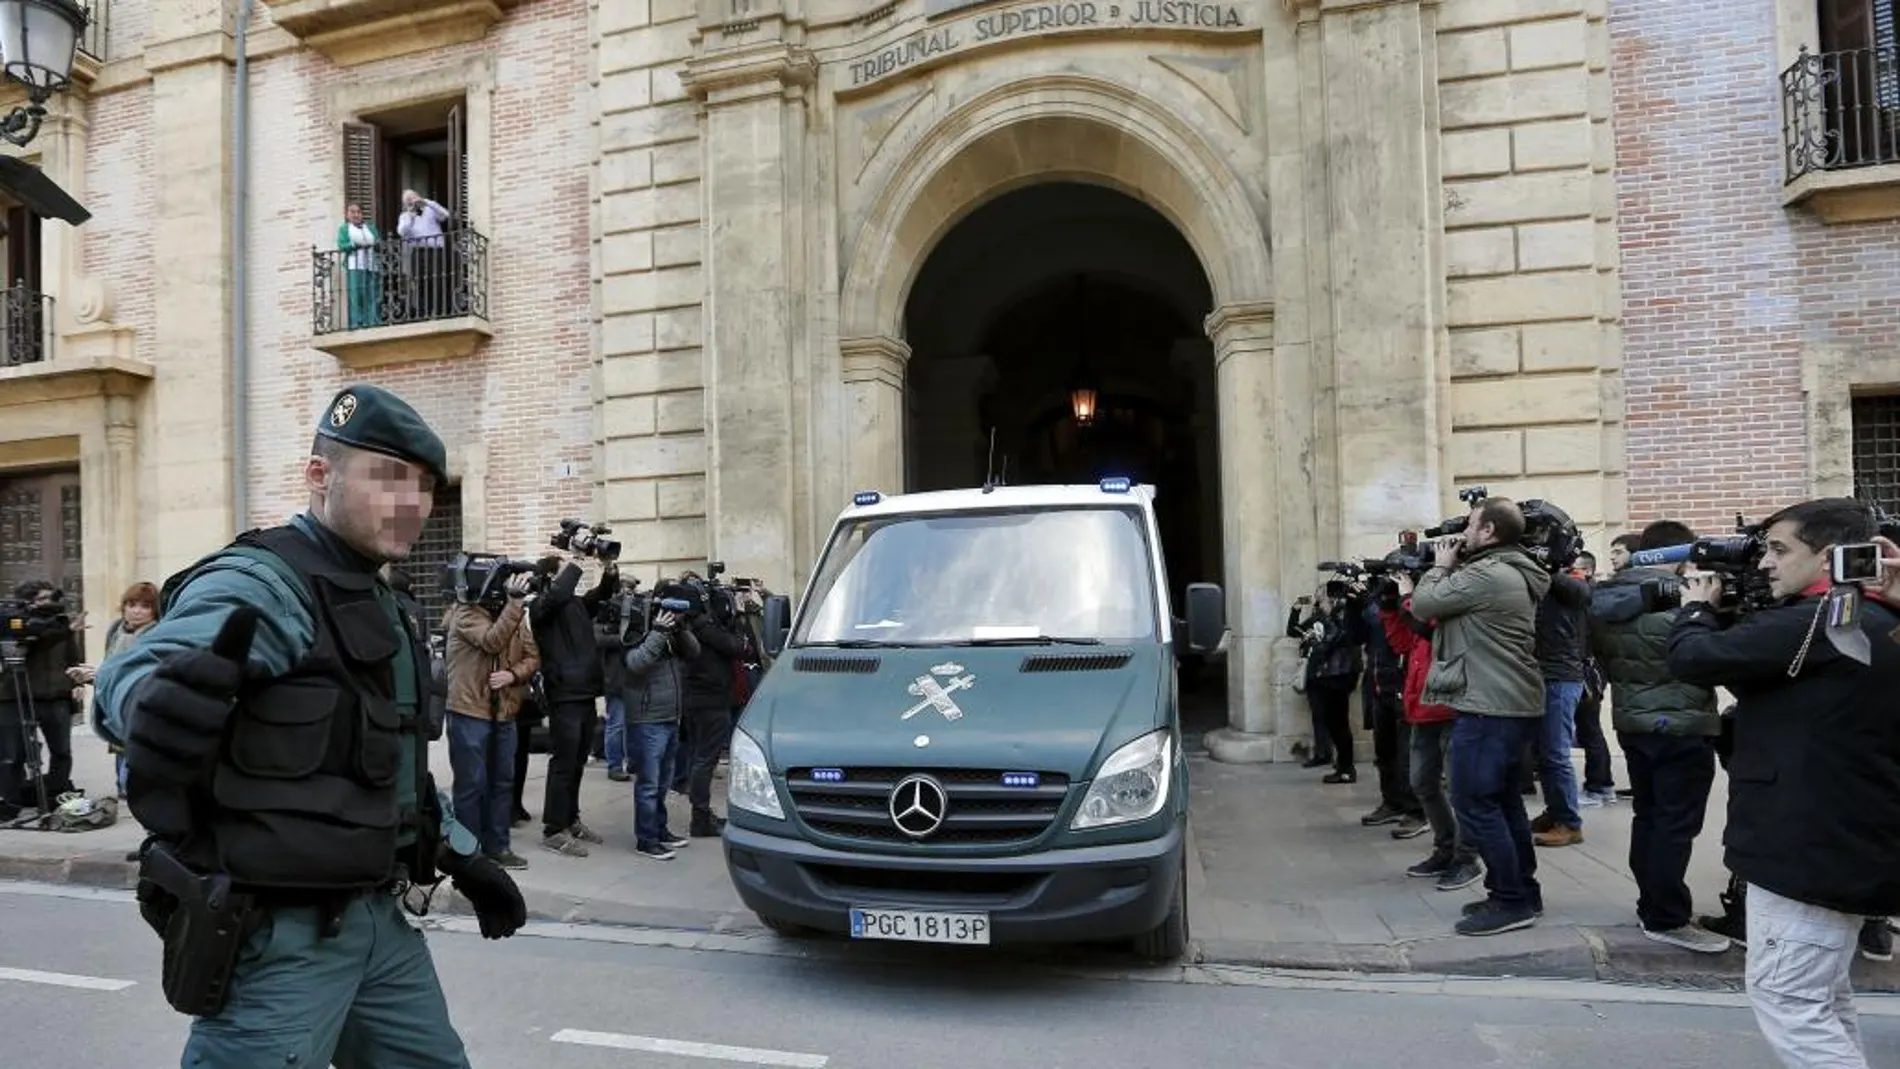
point(40, 532)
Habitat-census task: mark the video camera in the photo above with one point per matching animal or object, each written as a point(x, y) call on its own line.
point(601, 549)
point(623, 619)
point(1378, 571)
point(1736, 558)
point(480, 578)
point(24, 623)
point(1550, 536)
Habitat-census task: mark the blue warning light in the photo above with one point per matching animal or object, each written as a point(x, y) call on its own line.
point(1021, 779)
point(1117, 484)
point(866, 497)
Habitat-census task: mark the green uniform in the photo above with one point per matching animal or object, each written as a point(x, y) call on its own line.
point(328, 976)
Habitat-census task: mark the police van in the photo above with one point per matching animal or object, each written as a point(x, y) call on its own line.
point(970, 734)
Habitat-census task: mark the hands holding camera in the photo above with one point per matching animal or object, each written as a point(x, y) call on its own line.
point(1704, 588)
point(666, 620)
point(517, 586)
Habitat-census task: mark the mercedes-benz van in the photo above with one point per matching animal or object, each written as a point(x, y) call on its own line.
point(970, 732)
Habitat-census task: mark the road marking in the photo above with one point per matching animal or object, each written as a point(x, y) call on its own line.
point(60, 979)
point(690, 1049)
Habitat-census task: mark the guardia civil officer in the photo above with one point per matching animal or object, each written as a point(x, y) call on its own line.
point(278, 756)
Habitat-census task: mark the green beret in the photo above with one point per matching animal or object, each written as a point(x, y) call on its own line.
point(372, 418)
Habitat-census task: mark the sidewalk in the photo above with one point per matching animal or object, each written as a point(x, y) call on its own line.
point(1281, 875)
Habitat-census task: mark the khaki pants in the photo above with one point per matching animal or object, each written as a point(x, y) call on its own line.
point(1798, 961)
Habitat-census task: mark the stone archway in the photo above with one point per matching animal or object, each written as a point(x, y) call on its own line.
point(1077, 129)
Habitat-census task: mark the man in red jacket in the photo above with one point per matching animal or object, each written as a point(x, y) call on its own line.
point(1454, 862)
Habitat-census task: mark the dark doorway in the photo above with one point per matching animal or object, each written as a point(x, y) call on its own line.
point(40, 533)
point(1065, 319)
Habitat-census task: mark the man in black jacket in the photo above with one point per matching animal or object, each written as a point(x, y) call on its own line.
point(1813, 817)
point(572, 679)
point(706, 699)
point(1560, 655)
point(1383, 698)
point(53, 664)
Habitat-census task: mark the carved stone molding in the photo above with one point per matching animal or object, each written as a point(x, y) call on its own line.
point(350, 32)
point(770, 68)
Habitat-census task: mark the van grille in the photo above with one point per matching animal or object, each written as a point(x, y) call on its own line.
point(859, 664)
point(854, 803)
point(1074, 662)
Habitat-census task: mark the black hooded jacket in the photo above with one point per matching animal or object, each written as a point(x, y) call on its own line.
point(564, 629)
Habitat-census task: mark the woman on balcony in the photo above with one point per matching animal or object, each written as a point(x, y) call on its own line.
point(357, 238)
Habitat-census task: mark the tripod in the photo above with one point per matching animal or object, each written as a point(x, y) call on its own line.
point(13, 657)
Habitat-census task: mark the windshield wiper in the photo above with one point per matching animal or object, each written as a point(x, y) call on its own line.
point(859, 644)
point(1037, 640)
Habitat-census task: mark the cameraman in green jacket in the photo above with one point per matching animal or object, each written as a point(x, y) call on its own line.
point(1667, 729)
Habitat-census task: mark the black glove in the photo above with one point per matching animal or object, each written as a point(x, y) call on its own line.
point(181, 708)
point(487, 886)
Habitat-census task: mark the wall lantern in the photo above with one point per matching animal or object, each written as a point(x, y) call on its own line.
point(38, 39)
point(1082, 405)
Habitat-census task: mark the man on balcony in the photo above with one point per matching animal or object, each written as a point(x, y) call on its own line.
point(425, 245)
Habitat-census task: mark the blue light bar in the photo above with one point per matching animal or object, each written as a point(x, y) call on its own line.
point(1022, 779)
point(828, 775)
point(1117, 484)
point(866, 497)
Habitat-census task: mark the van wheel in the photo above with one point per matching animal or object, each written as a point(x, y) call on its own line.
point(781, 926)
point(1168, 942)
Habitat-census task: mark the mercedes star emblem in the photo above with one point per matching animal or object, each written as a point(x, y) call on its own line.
point(918, 805)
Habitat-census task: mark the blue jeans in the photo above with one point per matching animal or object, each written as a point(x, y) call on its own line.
point(654, 749)
point(482, 755)
point(1487, 792)
point(615, 741)
point(1554, 763)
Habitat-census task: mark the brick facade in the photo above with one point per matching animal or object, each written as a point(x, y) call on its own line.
point(1723, 285)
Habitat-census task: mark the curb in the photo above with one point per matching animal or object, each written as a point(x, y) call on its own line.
point(1612, 955)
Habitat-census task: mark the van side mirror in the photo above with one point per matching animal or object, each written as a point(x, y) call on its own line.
point(1206, 616)
point(778, 623)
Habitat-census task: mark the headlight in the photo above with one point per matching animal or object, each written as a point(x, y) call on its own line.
point(1132, 785)
point(749, 783)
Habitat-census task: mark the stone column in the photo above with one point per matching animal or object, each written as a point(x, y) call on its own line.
point(752, 133)
point(1261, 704)
point(874, 411)
point(1378, 64)
point(190, 507)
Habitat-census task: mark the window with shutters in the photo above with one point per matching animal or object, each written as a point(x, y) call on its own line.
point(422, 267)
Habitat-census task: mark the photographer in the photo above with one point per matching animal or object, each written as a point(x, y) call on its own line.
point(572, 679)
point(1382, 696)
point(1453, 861)
point(1813, 815)
point(706, 720)
point(54, 664)
point(1483, 591)
point(490, 656)
point(1330, 638)
point(1667, 729)
point(656, 673)
point(1562, 660)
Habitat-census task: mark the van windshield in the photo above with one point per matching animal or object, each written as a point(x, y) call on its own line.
point(1061, 575)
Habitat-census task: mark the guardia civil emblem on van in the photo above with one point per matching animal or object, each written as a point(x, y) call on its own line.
point(936, 693)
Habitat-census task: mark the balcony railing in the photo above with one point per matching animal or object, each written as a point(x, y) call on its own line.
point(26, 327)
point(398, 281)
point(93, 41)
point(1841, 110)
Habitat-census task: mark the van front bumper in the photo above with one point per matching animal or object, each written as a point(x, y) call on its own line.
point(1083, 894)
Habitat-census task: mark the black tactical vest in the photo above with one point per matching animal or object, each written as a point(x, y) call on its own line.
point(308, 789)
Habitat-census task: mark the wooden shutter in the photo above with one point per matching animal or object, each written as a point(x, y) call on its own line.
point(23, 248)
point(362, 168)
point(458, 166)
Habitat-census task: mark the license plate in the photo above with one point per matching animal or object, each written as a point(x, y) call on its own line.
point(918, 926)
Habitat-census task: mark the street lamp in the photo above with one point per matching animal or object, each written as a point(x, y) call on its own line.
point(37, 41)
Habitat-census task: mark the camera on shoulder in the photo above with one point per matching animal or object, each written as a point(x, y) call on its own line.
point(579, 536)
point(482, 578)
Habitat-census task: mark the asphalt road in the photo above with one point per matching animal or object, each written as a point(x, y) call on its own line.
point(78, 987)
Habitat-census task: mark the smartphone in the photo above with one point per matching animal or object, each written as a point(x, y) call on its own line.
point(1856, 563)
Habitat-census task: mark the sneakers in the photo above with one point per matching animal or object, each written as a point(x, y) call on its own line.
point(1431, 868)
point(1592, 799)
point(1411, 826)
point(1385, 814)
point(654, 852)
point(674, 842)
point(1876, 940)
point(1473, 908)
point(564, 843)
point(1558, 836)
point(1492, 919)
point(1731, 926)
point(618, 774)
point(584, 833)
point(1690, 937)
point(1459, 877)
point(1341, 777)
point(706, 825)
point(508, 859)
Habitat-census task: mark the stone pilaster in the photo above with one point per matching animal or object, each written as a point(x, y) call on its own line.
point(874, 403)
point(750, 76)
point(1260, 701)
point(189, 56)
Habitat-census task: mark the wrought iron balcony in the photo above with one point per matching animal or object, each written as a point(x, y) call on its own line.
point(1841, 110)
point(93, 41)
point(400, 299)
point(26, 327)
